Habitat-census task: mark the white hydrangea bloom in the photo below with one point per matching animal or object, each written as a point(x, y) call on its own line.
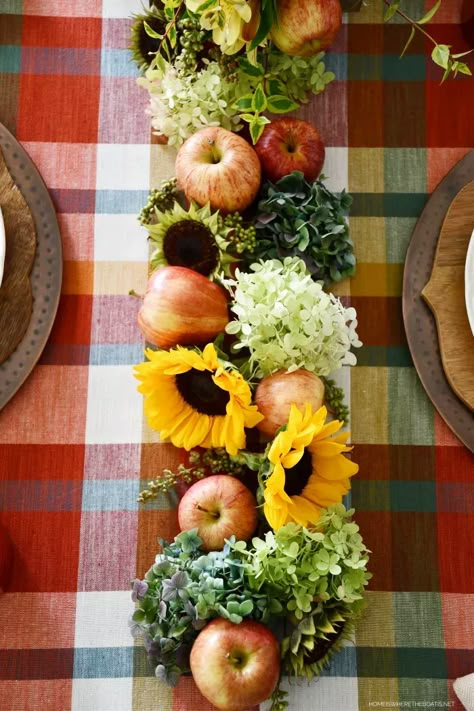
point(288, 321)
point(182, 104)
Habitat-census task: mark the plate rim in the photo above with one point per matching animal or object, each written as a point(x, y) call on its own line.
point(416, 313)
point(469, 282)
point(39, 201)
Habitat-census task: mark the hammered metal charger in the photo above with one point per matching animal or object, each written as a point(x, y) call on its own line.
point(46, 275)
point(419, 321)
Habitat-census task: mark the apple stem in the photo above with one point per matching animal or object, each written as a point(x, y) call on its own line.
point(132, 292)
point(214, 514)
point(234, 660)
point(216, 158)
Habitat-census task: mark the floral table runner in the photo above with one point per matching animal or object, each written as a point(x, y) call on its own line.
point(74, 447)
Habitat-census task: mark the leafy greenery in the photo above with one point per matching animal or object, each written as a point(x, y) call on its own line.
point(182, 591)
point(277, 83)
point(304, 568)
point(318, 575)
point(441, 54)
point(313, 580)
point(299, 219)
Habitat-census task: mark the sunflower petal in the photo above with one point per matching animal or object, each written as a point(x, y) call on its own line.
point(303, 511)
point(323, 493)
point(328, 448)
point(328, 429)
point(334, 468)
point(292, 458)
point(209, 355)
point(276, 517)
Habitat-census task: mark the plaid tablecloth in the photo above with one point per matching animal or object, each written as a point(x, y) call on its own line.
point(74, 447)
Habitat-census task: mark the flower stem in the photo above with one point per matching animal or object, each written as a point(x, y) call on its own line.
point(412, 22)
point(171, 24)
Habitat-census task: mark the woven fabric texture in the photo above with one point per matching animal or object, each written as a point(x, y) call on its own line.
point(74, 445)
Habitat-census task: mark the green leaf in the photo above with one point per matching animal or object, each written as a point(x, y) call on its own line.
point(275, 86)
point(306, 626)
point(151, 32)
point(280, 104)
point(233, 607)
point(246, 608)
point(391, 10)
point(463, 68)
point(248, 118)
point(462, 54)
point(440, 55)
point(172, 35)
point(138, 615)
point(266, 21)
point(431, 13)
point(253, 70)
point(256, 130)
point(259, 100)
point(409, 40)
point(244, 103)
point(204, 6)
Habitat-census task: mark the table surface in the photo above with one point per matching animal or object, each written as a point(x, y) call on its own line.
point(74, 446)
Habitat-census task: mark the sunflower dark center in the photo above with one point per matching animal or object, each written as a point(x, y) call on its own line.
point(199, 390)
point(324, 645)
point(298, 476)
point(149, 44)
point(191, 244)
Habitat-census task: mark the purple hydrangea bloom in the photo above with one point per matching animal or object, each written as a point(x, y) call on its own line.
point(139, 589)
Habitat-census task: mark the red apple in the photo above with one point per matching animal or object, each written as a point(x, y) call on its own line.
point(235, 666)
point(276, 393)
point(218, 506)
point(289, 144)
point(306, 27)
point(182, 307)
point(219, 167)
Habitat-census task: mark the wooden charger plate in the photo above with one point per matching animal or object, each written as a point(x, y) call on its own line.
point(46, 275)
point(420, 324)
point(445, 295)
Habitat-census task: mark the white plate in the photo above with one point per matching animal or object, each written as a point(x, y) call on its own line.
point(469, 282)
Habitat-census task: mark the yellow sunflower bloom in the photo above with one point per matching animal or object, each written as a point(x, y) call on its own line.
point(194, 401)
point(310, 471)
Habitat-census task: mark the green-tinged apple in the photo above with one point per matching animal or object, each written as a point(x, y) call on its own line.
point(182, 307)
point(235, 666)
point(218, 167)
point(306, 27)
point(277, 392)
point(218, 506)
point(290, 144)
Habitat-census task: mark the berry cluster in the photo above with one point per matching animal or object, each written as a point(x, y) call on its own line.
point(242, 237)
point(191, 40)
point(334, 399)
point(220, 462)
point(216, 461)
point(168, 480)
point(161, 198)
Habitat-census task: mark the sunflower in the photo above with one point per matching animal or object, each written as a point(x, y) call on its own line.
point(308, 469)
point(194, 400)
point(191, 238)
point(143, 46)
